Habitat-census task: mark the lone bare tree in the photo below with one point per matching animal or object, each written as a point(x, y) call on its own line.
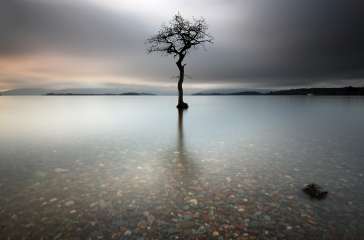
point(177, 39)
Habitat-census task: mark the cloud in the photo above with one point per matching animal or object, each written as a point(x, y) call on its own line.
point(262, 43)
point(75, 28)
point(293, 41)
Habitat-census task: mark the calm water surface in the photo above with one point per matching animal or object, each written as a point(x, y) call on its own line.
point(134, 168)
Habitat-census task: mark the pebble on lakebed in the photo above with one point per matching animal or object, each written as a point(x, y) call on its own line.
point(315, 191)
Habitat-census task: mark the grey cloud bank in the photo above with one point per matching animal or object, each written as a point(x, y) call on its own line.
point(260, 43)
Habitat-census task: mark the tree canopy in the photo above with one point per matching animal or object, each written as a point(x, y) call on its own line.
point(180, 36)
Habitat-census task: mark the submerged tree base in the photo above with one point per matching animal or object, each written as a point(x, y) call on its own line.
point(182, 105)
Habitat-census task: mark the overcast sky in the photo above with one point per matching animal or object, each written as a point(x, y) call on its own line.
point(258, 43)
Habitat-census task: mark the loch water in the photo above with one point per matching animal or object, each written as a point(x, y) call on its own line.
point(133, 167)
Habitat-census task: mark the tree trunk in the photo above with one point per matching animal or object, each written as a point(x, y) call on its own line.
point(181, 104)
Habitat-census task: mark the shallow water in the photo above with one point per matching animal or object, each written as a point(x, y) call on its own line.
point(134, 168)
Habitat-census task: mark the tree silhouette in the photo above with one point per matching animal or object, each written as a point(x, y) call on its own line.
point(177, 39)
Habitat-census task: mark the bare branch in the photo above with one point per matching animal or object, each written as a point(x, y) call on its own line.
point(179, 37)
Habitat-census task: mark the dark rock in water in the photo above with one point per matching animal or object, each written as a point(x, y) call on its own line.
point(315, 191)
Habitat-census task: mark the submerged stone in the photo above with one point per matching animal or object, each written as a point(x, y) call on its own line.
point(315, 191)
point(193, 202)
point(60, 170)
point(69, 203)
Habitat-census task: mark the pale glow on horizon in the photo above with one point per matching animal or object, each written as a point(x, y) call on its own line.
point(60, 71)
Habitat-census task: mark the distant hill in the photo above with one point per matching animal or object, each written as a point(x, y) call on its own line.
point(25, 91)
point(72, 91)
point(248, 93)
point(101, 94)
point(232, 92)
point(344, 91)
